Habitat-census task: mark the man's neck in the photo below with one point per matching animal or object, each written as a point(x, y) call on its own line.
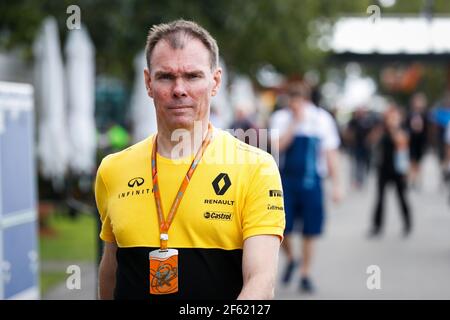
point(181, 143)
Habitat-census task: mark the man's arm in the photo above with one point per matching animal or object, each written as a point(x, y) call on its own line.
point(332, 157)
point(447, 161)
point(107, 272)
point(286, 128)
point(447, 150)
point(286, 138)
point(259, 267)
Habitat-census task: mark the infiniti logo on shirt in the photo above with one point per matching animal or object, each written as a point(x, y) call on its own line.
point(138, 181)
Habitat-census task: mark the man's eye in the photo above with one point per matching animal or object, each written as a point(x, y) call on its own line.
point(193, 76)
point(165, 77)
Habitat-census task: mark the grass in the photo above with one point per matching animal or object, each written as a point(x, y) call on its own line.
point(73, 240)
point(51, 279)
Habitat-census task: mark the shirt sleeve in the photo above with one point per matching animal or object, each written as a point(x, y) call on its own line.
point(263, 212)
point(280, 121)
point(101, 198)
point(330, 138)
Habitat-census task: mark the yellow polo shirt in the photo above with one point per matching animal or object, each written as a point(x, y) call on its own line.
point(235, 193)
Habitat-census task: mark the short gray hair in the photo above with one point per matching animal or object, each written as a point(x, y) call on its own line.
point(176, 33)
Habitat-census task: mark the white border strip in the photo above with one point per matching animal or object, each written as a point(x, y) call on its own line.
point(17, 88)
point(27, 294)
point(15, 219)
point(2, 291)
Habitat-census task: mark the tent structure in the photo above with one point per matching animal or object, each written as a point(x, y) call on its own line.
point(407, 42)
point(221, 109)
point(53, 149)
point(143, 112)
point(391, 38)
point(80, 73)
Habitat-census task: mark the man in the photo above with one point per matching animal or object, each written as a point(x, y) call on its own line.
point(418, 135)
point(439, 120)
point(392, 142)
point(205, 223)
point(446, 165)
point(356, 134)
point(308, 142)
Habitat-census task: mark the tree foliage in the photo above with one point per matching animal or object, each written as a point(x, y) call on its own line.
point(250, 33)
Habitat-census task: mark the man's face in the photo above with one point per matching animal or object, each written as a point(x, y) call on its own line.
point(419, 102)
point(181, 84)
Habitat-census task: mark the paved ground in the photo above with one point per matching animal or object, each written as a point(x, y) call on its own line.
point(88, 281)
point(413, 268)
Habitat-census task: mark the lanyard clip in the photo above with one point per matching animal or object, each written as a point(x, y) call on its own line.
point(164, 237)
point(163, 240)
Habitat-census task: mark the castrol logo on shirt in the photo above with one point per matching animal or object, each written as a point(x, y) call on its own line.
point(212, 215)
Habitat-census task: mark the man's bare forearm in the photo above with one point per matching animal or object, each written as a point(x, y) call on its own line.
point(107, 282)
point(107, 272)
point(259, 266)
point(259, 287)
point(333, 163)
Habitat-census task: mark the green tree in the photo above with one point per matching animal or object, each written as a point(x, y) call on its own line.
point(250, 33)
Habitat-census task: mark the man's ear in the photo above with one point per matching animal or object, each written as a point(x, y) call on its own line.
point(217, 78)
point(148, 83)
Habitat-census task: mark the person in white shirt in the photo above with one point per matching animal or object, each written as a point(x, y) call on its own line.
point(308, 143)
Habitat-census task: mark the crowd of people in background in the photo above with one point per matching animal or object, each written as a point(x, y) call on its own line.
point(426, 125)
point(392, 143)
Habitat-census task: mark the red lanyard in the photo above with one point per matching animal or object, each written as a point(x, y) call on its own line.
point(164, 225)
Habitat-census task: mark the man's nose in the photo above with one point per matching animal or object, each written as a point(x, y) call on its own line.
point(179, 89)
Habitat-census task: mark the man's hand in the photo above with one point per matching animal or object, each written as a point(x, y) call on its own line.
point(336, 194)
point(333, 164)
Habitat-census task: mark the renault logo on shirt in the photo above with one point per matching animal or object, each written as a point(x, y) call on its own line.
point(221, 184)
point(138, 181)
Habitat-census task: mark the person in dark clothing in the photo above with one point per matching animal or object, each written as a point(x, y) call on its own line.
point(357, 132)
point(392, 167)
point(417, 129)
point(439, 118)
point(244, 128)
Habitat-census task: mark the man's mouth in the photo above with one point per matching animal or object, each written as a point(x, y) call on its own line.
point(180, 107)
